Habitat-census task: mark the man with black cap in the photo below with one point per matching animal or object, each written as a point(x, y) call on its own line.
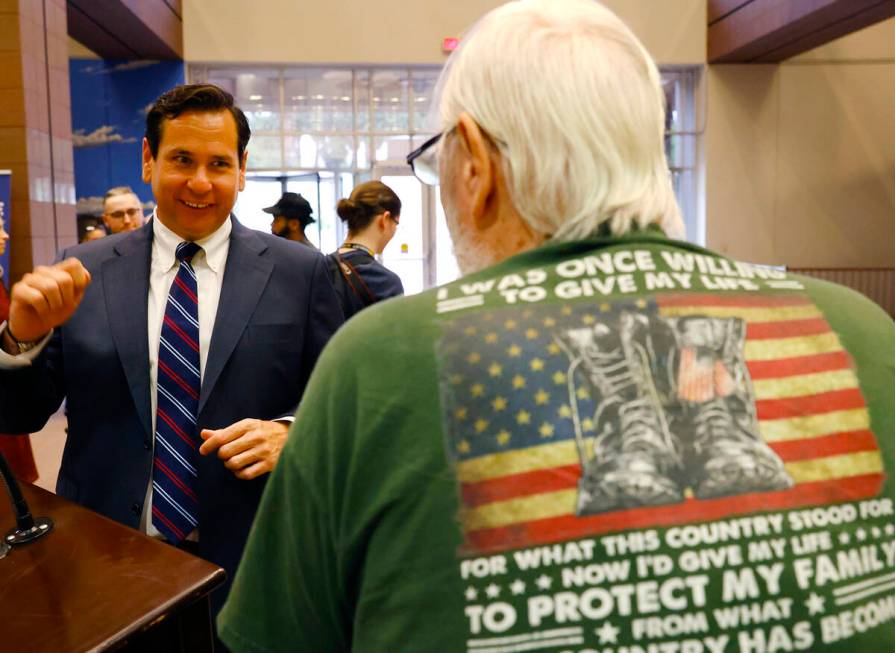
point(291, 214)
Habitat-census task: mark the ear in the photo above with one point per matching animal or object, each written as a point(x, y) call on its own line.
point(147, 162)
point(242, 170)
point(382, 220)
point(477, 173)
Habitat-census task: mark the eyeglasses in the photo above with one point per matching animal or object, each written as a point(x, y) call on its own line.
point(424, 161)
point(130, 213)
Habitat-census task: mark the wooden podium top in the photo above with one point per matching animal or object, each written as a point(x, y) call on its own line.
point(91, 582)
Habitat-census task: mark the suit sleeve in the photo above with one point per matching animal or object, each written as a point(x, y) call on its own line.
point(30, 395)
point(324, 317)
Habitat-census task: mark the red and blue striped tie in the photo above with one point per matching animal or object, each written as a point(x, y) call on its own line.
point(175, 507)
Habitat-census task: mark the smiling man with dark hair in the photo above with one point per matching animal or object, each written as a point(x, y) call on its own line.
point(199, 333)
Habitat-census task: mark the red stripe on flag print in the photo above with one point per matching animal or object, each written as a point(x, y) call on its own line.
point(567, 527)
point(783, 367)
point(823, 402)
point(527, 496)
point(159, 515)
point(786, 329)
point(186, 490)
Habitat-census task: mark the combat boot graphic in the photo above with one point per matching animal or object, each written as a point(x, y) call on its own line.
point(633, 459)
point(725, 454)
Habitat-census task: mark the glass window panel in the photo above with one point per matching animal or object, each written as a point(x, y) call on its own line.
point(258, 194)
point(320, 152)
point(408, 240)
point(258, 94)
point(318, 100)
point(363, 154)
point(362, 93)
point(423, 86)
point(411, 272)
point(264, 153)
point(391, 148)
point(389, 88)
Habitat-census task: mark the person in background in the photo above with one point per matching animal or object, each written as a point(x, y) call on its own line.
point(122, 210)
point(94, 233)
point(542, 455)
point(291, 215)
point(16, 448)
point(372, 214)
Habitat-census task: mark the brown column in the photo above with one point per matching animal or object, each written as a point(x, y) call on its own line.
point(35, 130)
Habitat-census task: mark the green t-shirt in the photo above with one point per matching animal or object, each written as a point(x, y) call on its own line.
point(611, 446)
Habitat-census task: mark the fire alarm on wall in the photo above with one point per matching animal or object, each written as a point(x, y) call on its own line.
point(449, 43)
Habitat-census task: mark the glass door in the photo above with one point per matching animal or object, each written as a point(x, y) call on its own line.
point(408, 253)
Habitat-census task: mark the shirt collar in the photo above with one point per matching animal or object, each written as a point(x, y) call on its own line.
point(214, 246)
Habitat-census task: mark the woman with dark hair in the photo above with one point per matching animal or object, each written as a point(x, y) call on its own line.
point(372, 213)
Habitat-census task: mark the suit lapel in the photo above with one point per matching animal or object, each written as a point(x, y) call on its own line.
point(126, 287)
point(245, 277)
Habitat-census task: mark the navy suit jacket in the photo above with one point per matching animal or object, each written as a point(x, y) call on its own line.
point(277, 310)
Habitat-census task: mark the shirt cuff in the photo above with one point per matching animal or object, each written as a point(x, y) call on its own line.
point(10, 362)
point(288, 419)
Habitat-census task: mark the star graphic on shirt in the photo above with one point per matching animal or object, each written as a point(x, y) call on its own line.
point(471, 594)
point(559, 378)
point(460, 413)
point(473, 358)
point(503, 437)
point(537, 364)
point(470, 330)
point(549, 322)
point(495, 369)
point(523, 417)
point(844, 538)
point(861, 534)
point(514, 351)
point(546, 430)
point(582, 393)
point(481, 425)
point(510, 325)
point(815, 604)
point(493, 591)
point(566, 310)
point(477, 390)
point(553, 349)
point(518, 382)
point(544, 582)
point(588, 319)
point(491, 338)
point(531, 334)
point(499, 403)
point(463, 447)
point(542, 397)
point(565, 411)
point(607, 633)
point(517, 587)
point(890, 529)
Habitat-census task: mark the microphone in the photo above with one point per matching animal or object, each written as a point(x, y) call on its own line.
point(27, 528)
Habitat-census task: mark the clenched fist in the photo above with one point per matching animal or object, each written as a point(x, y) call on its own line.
point(46, 298)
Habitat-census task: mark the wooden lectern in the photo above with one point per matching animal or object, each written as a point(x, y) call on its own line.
point(95, 585)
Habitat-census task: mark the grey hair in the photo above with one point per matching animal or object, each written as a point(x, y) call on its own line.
point(575, 105)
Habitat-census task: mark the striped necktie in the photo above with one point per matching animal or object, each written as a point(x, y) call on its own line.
point(175, 507)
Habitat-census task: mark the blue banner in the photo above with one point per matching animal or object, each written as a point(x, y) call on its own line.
point(6, 218)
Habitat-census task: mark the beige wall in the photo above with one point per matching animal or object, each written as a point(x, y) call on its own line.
point(395, 31)
point(800, 157)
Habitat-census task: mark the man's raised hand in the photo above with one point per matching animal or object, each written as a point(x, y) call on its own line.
point(46, 298)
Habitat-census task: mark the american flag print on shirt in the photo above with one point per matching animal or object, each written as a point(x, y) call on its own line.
point(526, 427)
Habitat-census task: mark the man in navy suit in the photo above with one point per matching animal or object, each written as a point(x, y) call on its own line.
point(88, 329)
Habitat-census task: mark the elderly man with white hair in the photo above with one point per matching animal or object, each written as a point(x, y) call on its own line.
point(601, 439)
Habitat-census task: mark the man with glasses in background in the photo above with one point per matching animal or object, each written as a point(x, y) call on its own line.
point(122, 210)
point(598, 433)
